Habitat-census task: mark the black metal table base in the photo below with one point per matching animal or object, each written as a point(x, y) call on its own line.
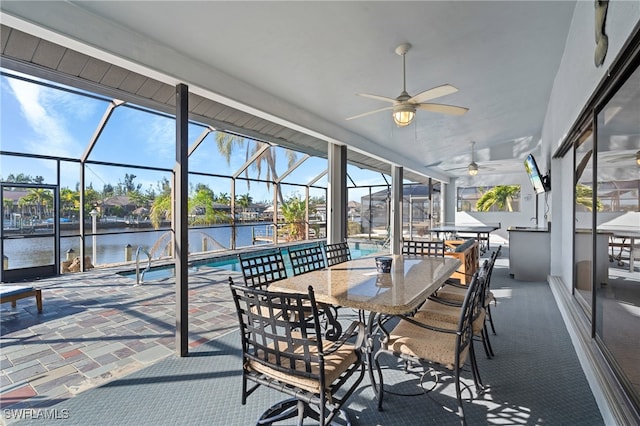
point(290, 408)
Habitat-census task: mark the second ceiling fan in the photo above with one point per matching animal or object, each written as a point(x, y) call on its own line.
point(404, 106)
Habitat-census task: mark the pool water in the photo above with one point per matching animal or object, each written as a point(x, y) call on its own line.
point(163, 273)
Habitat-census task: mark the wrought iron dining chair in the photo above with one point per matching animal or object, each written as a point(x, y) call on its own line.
point(455, 292)
point(423, 247)
point(337, 253)
point(435, 345)
point(262, 268)
point(283, 350)
point(311, 258)
point(307, 259)
point(436, 309)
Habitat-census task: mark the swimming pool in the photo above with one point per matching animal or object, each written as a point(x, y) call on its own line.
point(230, 263)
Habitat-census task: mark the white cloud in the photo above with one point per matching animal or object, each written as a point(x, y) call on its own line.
point(37, 107)
point(160, 133)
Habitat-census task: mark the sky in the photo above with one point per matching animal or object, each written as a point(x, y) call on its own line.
point(36, 119)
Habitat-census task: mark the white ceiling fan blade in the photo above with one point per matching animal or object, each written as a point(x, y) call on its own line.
point(369, 113)
point(482, 167)
point(618, 157)
point(378, 97)
point(444, 109)
point(435, 92)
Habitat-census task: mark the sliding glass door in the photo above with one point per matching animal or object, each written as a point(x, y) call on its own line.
point(584, 218)
point(29, 231)
point(617, 253)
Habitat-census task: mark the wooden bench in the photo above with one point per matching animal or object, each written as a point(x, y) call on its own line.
point(11, 293)
point(467, 252)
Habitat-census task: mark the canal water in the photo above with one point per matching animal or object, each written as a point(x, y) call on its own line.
point(111, 248)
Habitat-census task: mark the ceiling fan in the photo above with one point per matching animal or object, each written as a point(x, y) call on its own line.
point(473, 167)
point(404, 106)
point(624, 157)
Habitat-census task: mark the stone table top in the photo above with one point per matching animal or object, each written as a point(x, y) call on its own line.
point(358, 285)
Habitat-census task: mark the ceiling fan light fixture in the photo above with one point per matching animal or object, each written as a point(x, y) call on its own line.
point(403, 115)
point(473, 167)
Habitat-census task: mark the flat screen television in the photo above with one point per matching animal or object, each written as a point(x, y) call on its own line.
point(540, 183)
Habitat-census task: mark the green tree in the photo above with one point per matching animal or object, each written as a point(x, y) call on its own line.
point(161, 209)
point(584, 197)
point(38, 200)
point(69, 202)
point(7, 207)
point(138, 198)
point(202, 202)
point(200, 207)
point(500, 195)
point(91, 199)
point(150, 193)
point(294, 213)
point(223, 198)
point(108, 190)
point(19, 178)
point(315, 200)
point(164, 186)
point(127, 186)
point(244, 201)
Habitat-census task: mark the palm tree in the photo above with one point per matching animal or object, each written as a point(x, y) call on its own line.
point(294, 212)
point(38, 198)
point(69, 201)
point(203, 200)
point(8, 207)
point(584, 197)
point(226, 143)
point(500, 195)
point(244, 201)
point(160, 209)
point(223, 198)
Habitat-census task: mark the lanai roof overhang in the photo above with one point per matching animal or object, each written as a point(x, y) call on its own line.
point(42, 58)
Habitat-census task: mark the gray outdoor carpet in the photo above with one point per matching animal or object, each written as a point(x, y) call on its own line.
point(535, 378)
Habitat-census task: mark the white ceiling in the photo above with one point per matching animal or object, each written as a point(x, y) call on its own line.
point(302, 63)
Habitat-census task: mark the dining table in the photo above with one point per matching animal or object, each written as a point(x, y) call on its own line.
point(358, 284)
point(625, 238)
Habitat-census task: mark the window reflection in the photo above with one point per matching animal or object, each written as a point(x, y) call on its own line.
point(583, 208)
point(618, 218)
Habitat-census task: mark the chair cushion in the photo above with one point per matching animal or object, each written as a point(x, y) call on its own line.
point(455, 294)
point(335, 364)
point(429, 345)
point(433, 312)
point(439, 312)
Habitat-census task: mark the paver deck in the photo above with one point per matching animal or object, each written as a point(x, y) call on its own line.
point(96, 327)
